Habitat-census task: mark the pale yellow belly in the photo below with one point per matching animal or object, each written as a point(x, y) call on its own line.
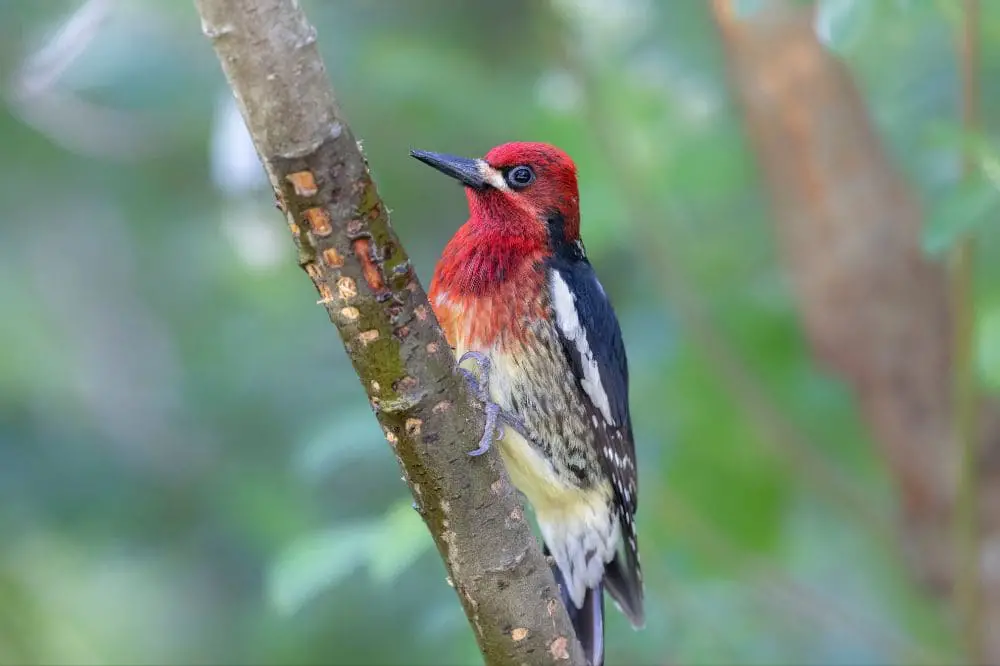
point(551, 497)
point(529, 471)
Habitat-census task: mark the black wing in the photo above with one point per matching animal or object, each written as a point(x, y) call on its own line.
point(601, 348)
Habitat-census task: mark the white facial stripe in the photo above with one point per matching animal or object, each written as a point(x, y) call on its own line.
point(564, 304)
point(492, 176)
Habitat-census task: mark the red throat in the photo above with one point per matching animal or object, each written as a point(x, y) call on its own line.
point(480, 258)
point(479, 286)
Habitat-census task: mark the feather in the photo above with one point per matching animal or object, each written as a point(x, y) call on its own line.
point(593, 344)
point(515, 285)
point(587, 620)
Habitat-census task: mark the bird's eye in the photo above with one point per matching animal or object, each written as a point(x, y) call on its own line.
point(520, 177)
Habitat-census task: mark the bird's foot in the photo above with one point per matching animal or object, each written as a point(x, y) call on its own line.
point(496, 418)
point(493, 431)
point(480, 385)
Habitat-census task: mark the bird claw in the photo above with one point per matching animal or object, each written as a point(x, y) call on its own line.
point(491, 432)
point(474, 384)
point(479, 357)
point(494, 431)
point(480, 387)
point(496, 418)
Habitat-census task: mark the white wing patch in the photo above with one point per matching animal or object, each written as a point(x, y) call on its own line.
point(568, 320)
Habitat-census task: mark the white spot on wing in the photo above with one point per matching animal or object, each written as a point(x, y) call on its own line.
point(564, 304)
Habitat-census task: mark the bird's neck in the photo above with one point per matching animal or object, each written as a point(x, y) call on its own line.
point(484, 256)
point(488, 285)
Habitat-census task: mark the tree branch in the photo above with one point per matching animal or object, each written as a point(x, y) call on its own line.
point(365, 281)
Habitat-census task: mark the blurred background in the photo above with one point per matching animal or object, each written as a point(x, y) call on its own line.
point(189, 470)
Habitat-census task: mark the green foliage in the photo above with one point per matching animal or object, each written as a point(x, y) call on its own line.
point(841, 24)
point(959, 213)
point(323, 559)
point(966, 206)
point(989, 347)
point(750, 509)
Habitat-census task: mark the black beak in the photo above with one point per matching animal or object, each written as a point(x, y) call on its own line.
point(460, 168)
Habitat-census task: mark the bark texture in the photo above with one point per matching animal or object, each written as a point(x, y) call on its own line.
point(364, 279)
point(876, 310)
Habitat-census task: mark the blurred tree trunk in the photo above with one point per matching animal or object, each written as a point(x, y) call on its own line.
point(876, 311)
point(367, 285)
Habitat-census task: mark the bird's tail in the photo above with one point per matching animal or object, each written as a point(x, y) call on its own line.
point(588, 621)
point(589, 625)
point(624, 582)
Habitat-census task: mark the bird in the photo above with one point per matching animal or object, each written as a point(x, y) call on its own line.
point(535, 334)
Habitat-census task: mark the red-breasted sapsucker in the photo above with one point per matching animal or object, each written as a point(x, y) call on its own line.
point(520, 302)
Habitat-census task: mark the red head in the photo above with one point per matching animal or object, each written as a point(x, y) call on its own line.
point(519, 193)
